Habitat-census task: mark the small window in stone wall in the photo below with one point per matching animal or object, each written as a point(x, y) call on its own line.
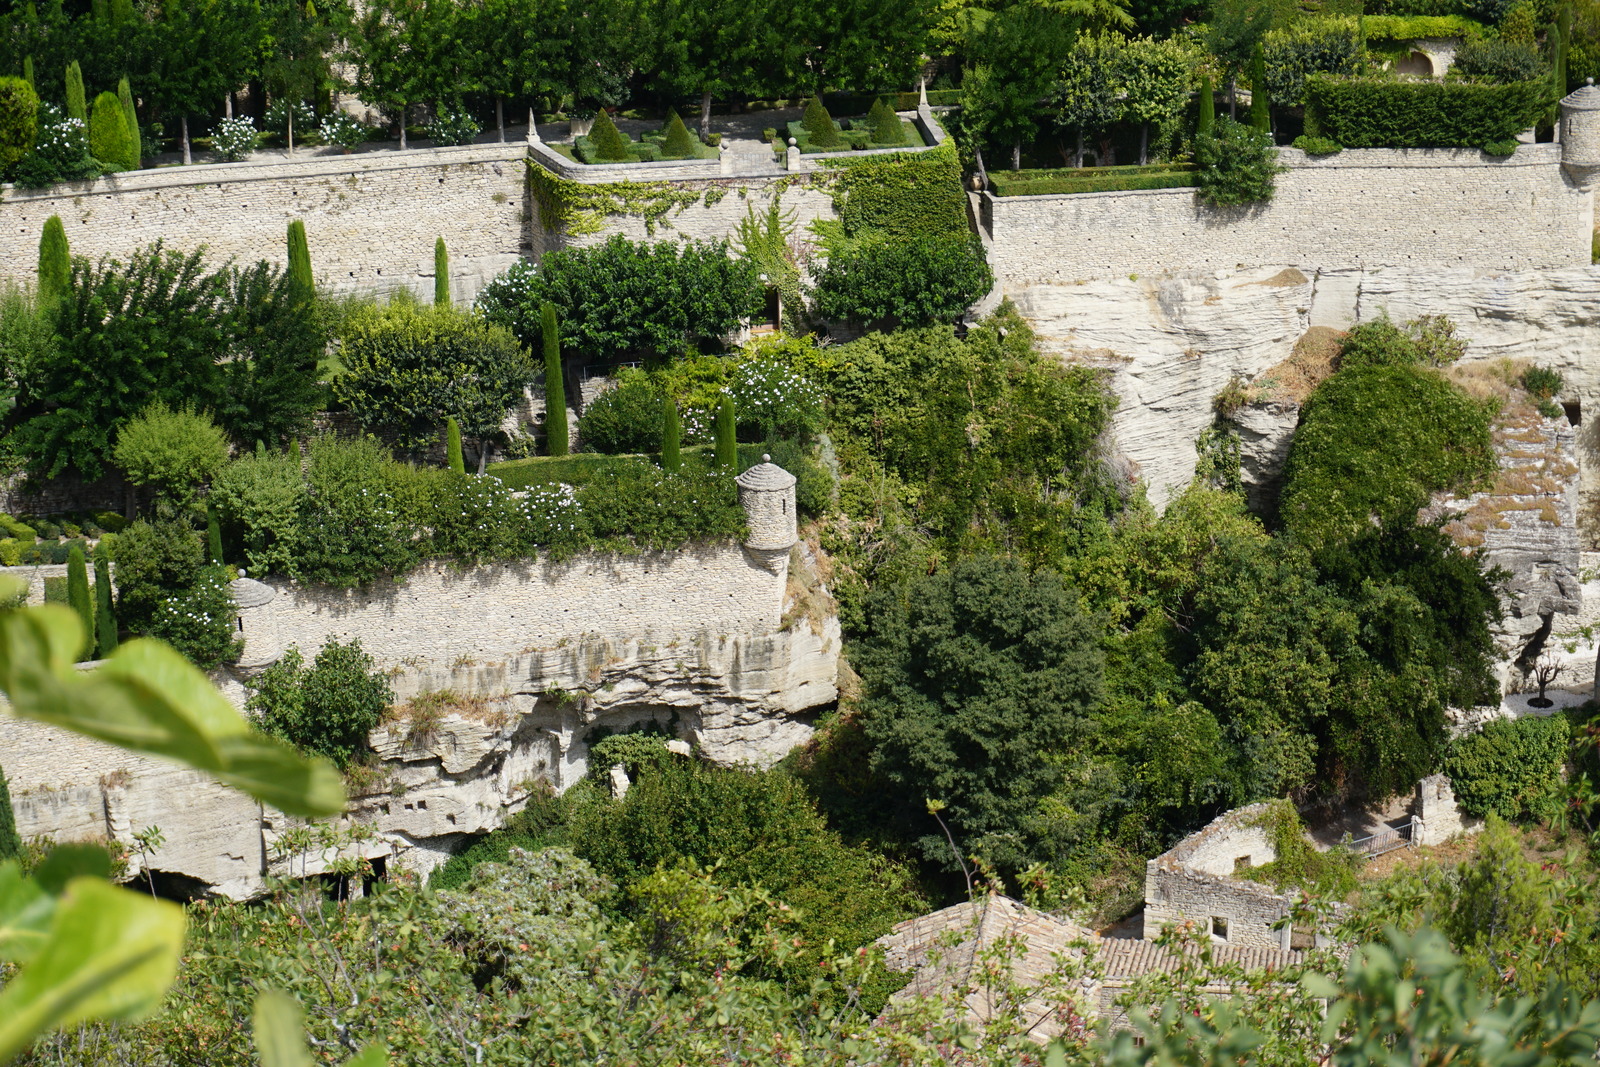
point(1219, 927)
point(1240, 864)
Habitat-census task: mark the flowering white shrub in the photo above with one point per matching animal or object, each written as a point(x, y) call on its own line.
point(277, 117)
point(235, 139)
point(343, 130)
point(60, 152)
point(772, 399)
point(452, 126)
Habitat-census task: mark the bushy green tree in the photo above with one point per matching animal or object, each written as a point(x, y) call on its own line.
point(268, 388)
point(626, 299)
point(327, 709)
point(624, 419)
point(441, 272)
point(55, 263)
point(78, 596)
point(1511, 768)
point(19, 120)
point(970, 676)
point(258, 498)
point(1014, 67)
point(1238, 165)
point(608, 141)
point(1157, 77)
point(409, 367)
point(1087, 97)
point(171, 450)
point(555, 384)
point(110, 139)
point(903, 283)
point(166, 590)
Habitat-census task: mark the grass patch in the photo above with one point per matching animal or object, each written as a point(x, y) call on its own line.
point(579, 469)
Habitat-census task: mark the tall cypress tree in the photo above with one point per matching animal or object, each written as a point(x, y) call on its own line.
point(671, 436)
point(1260, 114)
point(1205, 122)
point(555, 388)
point(125, 95)
point(55, 262)
point(77, 99)
point(213, 535)
point(78, 596)
point(27, 72)
point(110, 140)
point(441, 272)
point(452, 445)
point(300, 280)
point(727, 442)
point(10, 843)
point(105, 618)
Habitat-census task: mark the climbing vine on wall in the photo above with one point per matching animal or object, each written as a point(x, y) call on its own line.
point(906, 194)
point(578, 208)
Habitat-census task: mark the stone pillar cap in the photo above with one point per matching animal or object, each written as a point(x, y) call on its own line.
point(1584, 99)
point(767, 476)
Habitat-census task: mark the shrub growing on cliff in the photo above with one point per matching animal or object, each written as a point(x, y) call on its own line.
point(409, 367)
point(327, 709)
point(1510, 768)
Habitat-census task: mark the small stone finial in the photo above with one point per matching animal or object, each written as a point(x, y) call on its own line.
point(793, 142)
point(243, 573)
point(1588, 81)
point(764, 458)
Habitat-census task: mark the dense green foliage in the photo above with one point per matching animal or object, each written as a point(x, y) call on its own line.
point(1498, 61)
point(110, 139)
point(19, 120)
point(1372, 113)
point(627, 418)
point(1511, 768)
point(172, 451)
point(302, 285)
point(1376, 441)
point(1238, 165)
point(970, 675)
point(624, 298)
point(162, 328)
point(609, 144)
point(452, 446)
point(1094, 179)
point(441, 272)
point(10, 843)
point(326, 709)
point(671, 436)
point(819, 126)
point(166, 590)
point(77, 100)
point(104, 615)
point(79, 599)
point(408, 367)
point(905, 283)
point(55, 263)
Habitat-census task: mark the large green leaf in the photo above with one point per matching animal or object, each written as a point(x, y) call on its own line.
point(107, 953)
point(147, 698)
point(278, 1024)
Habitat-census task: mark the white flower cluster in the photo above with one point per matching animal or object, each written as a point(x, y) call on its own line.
point(59, 135)
point(509, 290)
point(343, 130)
point(551, 510)
point(774, 395)
point(235, 139)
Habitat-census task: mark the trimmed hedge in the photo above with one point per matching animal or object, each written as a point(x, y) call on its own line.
point(1415, 27)
point(858, 136)
point(1094, 179)
point(551, 470)
point(1369, 113)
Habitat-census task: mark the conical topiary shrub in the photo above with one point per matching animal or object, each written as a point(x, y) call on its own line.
point(678, 145)
point(818, 124)
point(110, 140)
point(886, 125)
point(607, 140)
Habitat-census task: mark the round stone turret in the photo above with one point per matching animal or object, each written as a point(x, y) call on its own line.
point(1580, 134)
point(766, 492)
point(257, 624)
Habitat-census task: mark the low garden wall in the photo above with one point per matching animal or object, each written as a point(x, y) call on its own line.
point(1359, 208)
point(371, 218)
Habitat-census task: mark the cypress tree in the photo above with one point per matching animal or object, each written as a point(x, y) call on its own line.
point(818, 124)
point(727, 442)
point(1205, 122)
point(886, 125)
point(125, 94)
point(77, 100)
point(213, 536)
point(1260, 115)
point(55, 262)
point(105, 619)
point(555, 389)
point(452, 445)
point(78, 595)
point(678, 145)
point(671, 436)
point(607, 140)
point(300, 281)
point(110, 140)
point(27, 72)
point(10, 843)
point(441, 272)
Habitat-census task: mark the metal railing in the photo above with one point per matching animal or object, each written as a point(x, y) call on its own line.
point(1384, 841)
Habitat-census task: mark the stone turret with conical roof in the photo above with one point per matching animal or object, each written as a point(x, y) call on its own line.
point(257, 625)
point(766, 492)
point(1580, 134)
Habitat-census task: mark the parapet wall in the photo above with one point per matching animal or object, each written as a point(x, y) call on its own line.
point(442, 614)
point(1360, 208)
point(371, 218)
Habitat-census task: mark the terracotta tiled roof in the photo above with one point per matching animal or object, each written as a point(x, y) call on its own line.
point(1128, 958)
